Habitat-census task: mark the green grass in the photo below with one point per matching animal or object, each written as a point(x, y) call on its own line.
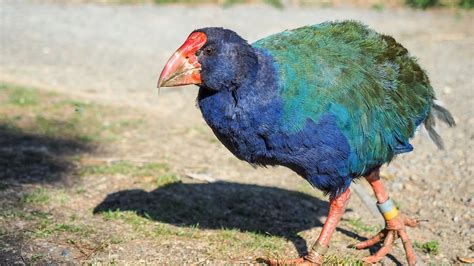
point(268, 242)
point(430, 247)
point(274, 3)
point(187, 232)
point(36, 257)
point(378, 6)
point(115, 240)
point(159, 171)
point(41, 224)
point(20, 96)
point(162, 229)
point(80, 190)
point(467, 4)
point(61, 196)
point(111, 215)
point(360, 226)
point(125, 168)
point(128, 217)
point(231, 241)
point(422, 3)
point(41, 196)
point(9, 212)
point(145, 227)
point(166, 179)
point(345, 260)
point(47, 228)
point(50, 114)
point(141, 225)
point(57, 127)
point(37, 196)
point(228, 240)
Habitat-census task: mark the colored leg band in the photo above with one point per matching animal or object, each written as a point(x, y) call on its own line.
point(388, 209)
point(319, 249)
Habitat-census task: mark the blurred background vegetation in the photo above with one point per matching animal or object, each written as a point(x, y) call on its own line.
point(377, 4)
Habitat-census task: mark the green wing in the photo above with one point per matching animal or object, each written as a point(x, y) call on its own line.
point(373, 87)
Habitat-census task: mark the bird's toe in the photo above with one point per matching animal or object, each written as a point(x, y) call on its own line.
point(395, 228)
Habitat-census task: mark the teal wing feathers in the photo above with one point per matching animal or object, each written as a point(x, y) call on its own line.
point(376, 91)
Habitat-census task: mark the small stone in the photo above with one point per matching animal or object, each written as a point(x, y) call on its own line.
point(447, 90)
point(456, 219)
point(466, 232)
point(397, 186)
point(442, 234)
point(407, 186)
point(65, 253)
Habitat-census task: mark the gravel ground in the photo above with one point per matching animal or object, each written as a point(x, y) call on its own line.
point(113, 54)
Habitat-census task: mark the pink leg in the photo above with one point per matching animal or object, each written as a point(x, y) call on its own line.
point(316, 254)
point(336, 210)
point(376, 184)
point(394, 227)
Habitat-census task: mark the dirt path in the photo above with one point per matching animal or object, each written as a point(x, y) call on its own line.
point(113, 55)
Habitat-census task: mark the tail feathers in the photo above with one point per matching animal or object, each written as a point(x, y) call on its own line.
point(442, 114)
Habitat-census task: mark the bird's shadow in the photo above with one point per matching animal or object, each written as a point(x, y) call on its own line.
point(248, 208)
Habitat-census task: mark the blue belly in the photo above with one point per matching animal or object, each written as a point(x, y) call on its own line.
point(254, 132)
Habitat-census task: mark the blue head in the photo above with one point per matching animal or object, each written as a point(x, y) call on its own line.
point(215, 58)
point(227, 60)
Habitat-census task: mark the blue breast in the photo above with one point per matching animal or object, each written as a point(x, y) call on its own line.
point(250, 123)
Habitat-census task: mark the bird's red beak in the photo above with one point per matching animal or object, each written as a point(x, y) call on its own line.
point(183, 67)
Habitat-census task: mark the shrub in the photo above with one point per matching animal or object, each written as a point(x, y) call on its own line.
point(422, 3)
point(466, 4)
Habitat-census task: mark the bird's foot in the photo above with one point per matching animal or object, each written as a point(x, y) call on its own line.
point(312, 259)
point(395, 228)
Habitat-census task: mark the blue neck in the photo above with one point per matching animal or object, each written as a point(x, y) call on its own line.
point(239, 116)
point(259, 91)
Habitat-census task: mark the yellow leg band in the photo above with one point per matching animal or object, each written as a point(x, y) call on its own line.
point(390, 214)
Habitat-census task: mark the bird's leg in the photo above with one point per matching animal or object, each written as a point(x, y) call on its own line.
point(394, 224)
point(316, 255)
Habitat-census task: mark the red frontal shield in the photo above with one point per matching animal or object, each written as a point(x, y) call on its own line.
point(183, 67)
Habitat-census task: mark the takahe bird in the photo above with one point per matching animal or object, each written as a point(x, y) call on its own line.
point(333, 102)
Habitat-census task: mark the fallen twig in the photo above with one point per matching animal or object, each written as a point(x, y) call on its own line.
point(201, 177)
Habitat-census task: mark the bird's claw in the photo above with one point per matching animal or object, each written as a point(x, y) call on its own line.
point(394, 229)
point(312, 259)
